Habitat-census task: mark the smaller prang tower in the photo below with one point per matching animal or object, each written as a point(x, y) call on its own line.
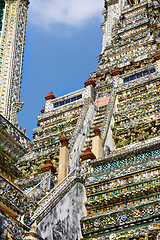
point(13, 17)
point(15, 206)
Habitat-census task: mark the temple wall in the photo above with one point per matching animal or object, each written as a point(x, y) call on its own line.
point(63, 221)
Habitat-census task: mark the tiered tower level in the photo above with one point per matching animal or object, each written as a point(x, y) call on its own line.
point(13, 15)
point(123, 186)
point(65, 115)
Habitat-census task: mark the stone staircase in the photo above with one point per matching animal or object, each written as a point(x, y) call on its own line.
point(76, 143)
point(80, 122)
point(98, 121)
point(54, 196)
point(40, 189)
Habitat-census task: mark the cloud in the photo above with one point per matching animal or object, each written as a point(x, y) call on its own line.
point(75, 13)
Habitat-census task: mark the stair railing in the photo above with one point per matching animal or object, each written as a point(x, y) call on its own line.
point(108, 115)
point(58, 186)
point(79, 122)
point(54, 196)
point(36, 186)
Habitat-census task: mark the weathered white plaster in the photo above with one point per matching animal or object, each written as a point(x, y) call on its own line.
point(82, 136)
point(63, 221)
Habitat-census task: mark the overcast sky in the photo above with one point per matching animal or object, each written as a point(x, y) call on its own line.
point(63, 41)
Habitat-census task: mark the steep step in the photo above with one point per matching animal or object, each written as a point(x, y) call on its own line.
point(54, 195)
point(98, 121)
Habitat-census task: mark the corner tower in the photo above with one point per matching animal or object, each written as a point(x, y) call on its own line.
point(13, 17)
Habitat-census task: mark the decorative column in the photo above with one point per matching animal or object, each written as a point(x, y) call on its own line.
point(116, 76)
point(157, 60)
point(48, 167)
point(90, 88)
point(97, 143)
point(49, 104)
point(86, 157)
point(63, 158)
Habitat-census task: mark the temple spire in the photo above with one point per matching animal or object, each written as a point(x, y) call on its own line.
point(12, 49)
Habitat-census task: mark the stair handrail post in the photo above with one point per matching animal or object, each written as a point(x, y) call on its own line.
point(86, 157)
point(49, 167)
point(44, 179)
point(49, 180)
point(60, 183)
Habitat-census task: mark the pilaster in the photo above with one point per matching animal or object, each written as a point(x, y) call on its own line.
point(63, 159)
point(90, 88)
point(97, 148)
